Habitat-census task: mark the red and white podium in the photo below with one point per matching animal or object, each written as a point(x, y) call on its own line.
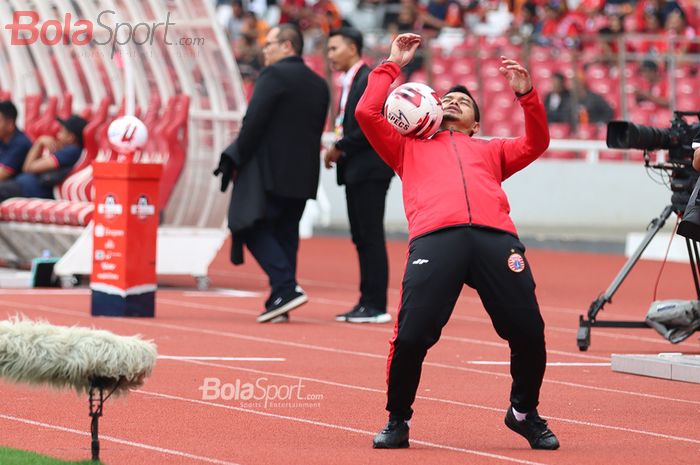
point(123, 279)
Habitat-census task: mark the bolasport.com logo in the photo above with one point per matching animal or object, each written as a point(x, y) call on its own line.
point(28, 28)
point(261, 393)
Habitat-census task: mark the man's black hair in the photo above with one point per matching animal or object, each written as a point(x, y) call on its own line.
point(8, 110)
point(291, 33)
point(349, 34)
point(463, 90)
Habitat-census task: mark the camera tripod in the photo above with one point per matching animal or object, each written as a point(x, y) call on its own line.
point(583, 337)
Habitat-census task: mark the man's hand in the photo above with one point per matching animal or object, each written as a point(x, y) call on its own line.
point(226, 169)
point(696, 159)
point(518, 77)
point(403, 48)
point(48, 142)
point(332, 155)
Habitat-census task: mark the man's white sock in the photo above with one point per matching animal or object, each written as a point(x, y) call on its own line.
point(519, 416)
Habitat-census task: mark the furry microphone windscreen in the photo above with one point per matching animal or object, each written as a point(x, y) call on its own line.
point(37, 352)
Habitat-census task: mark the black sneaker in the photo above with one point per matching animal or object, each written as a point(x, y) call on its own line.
point(393, 436)
point(344, 316)
point(362, 314)
point(282, 304)
point(534, 429)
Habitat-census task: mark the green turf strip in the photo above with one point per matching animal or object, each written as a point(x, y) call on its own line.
point(21, 457)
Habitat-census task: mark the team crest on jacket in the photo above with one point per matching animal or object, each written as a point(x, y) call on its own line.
point(516, 263)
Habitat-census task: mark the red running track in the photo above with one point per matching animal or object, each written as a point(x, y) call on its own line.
point(600, 417)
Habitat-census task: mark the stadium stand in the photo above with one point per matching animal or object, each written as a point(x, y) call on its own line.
point(189, 66)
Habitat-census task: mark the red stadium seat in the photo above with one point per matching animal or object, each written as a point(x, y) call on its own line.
point(588, 131)
point(561, 155)
point(687, 86)
point(559, 130)
point(462, 66)
point(611, 155)
point(176, 136)
point(32, 109)
point(66, 106)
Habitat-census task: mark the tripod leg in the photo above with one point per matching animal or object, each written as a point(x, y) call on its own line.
point(583, 337)
point(96, 401)
point(654, 227)
point(694, 257)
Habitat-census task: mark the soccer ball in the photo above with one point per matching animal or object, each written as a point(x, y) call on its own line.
point(127, 134)
point(414, 109)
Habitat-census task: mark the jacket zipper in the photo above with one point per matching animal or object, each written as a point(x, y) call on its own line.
point(464, 179)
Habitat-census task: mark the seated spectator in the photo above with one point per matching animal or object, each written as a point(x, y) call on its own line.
point(677, 28)
point(525, 25)
point(14, 144)
point(559, 103)
point(406, 18)
point(662, 8)
point(48, 162)
point(248, 57)
point(254, 28)
point(654, 88)
point(560, 27)
point(654, 28)
point(593, 107)
point(229, 14)
point(439, 14)
point(609, 45)
point(619, 7)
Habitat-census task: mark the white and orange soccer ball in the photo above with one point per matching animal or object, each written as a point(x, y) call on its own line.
point(414, 109)
point(127, 134)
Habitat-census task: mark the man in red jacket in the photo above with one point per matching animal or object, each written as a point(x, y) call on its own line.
point(460, 233)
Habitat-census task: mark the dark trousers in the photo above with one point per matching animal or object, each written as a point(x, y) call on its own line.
point(274, 242)
point(366, 202)
point(10, 188)
point(439, 264)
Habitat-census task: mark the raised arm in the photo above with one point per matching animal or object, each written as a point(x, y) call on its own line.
point(517, 153)
point(379, 132)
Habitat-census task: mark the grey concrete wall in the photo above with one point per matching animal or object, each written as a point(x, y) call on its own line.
point(553, 197)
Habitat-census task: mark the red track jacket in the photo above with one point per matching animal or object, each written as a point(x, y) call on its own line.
point(451, 179)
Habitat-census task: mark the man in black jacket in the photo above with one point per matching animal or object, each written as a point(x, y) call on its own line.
point(281, 133)
point(366, 178)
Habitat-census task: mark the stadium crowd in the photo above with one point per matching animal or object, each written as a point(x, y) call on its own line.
point(592, 59)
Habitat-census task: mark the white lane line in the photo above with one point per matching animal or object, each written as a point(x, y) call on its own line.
point(549, 364)
point(499, 410)
point(396, 291)
point(222, 359)
point(11, 292)
point(118, 440)
point(221, 293)
point(333, 426)
point(245, 337)
point(237, 293)
point(388, 330)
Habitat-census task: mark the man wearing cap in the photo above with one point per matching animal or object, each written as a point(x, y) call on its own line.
point(48, 162)
point(14, 144)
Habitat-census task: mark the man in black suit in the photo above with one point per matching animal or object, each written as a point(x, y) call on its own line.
point(366, 178)
point(276, 159)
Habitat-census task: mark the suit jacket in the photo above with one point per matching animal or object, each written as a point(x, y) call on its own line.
point(361, 162)
point(282, 128)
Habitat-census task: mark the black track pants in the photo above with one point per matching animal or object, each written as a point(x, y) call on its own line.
point(439, 264)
